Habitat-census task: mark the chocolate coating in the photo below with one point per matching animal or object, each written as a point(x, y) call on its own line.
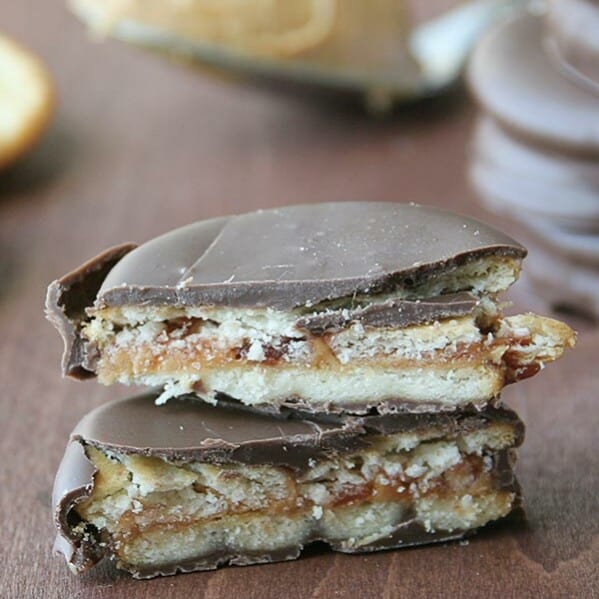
point(282, 258)
point(67, 300)
point(299, 255)
point(186, 429)
point(395, 313)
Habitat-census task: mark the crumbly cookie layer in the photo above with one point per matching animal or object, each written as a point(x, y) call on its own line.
point(152, 511)
point(261, 357)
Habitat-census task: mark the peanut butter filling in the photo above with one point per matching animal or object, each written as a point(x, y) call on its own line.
point(502, 351)
point(137, 500)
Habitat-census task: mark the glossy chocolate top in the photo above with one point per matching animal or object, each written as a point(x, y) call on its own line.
point(298, 255)
point(514, 79)
point(186, 429)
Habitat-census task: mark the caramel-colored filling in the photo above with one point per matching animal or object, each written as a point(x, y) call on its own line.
point(466, 478)
point(265, 359)
point(172, 351)
point(469, 477)
point(151, 510)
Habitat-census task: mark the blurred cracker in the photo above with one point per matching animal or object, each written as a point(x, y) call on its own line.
point(26, 100)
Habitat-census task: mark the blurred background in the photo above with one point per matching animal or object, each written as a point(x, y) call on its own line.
point(153, 114)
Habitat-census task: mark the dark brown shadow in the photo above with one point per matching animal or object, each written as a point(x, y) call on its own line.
point(10, 264)
point(345, 104)
point(48, 160)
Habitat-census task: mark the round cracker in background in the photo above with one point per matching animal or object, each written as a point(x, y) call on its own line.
point(26, 100)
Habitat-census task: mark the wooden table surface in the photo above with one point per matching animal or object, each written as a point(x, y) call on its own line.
point(139, 146)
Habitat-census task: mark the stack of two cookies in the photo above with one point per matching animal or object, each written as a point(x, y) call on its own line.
point(328, 372)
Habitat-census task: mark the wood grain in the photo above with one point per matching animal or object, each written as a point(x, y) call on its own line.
point(139, 146)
